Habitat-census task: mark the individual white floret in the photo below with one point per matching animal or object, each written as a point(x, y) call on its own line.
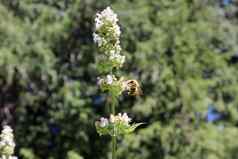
point(97, 39)
point(125, 118)
point(103, 122)
point(109, 79)
point(112, 118)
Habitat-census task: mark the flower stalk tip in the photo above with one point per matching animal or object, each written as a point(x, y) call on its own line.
point(7, 144)
point(107, 37)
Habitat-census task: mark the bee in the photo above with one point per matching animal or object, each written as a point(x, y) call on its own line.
point(133, 88)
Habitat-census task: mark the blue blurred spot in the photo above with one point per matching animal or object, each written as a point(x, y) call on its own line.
point(226, 2)
point(51, 145)
point(212, 114)
point(54, 129)
point(99, 100)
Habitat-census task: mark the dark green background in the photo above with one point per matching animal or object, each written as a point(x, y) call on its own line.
point(183, 52)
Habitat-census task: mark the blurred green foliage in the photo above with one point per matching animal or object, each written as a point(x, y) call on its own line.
point(184, 52)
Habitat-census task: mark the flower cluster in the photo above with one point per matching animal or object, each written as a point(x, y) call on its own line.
point(7, 144)
point(115, 125)
point(123, 118)
point(111, 83)
point(107, 37)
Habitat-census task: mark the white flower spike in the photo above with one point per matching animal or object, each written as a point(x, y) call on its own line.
point(7, 144)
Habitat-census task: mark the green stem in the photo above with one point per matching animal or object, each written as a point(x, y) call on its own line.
point(113, 105)
point(114, 147)
point(114, 137)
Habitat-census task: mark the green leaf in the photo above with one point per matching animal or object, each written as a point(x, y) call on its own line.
point(133, 127)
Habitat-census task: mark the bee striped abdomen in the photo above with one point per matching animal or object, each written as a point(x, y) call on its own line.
point(133, 88)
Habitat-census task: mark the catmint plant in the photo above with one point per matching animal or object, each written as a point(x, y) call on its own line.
point(107, 37)
point(7, 144)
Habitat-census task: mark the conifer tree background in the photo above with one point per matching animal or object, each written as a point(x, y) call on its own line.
point(184, 52)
